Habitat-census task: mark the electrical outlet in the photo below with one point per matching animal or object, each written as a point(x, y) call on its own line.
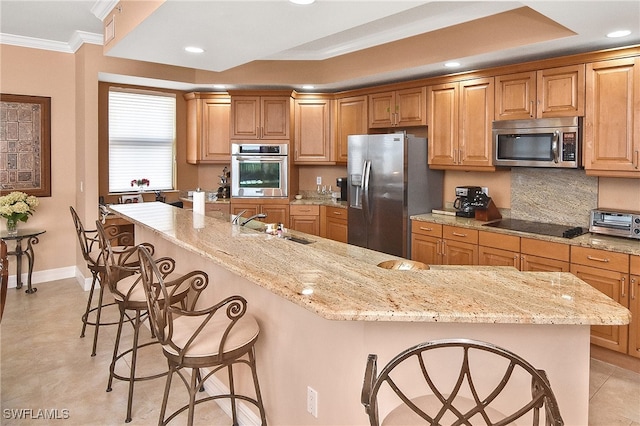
point(319, 180)
point(312, 401)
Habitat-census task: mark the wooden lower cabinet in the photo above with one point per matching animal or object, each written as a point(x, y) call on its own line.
point(607, 272)
point(457, 253)
point(305, 219)
point(277, 211)
point(543, 256)
point(426, 239)
point(334, 223)
point(634, 306)
point(609, 283)
point(459, 246)
point(498, 250)
point(221, 208)
point(496, 257)
point(426, 249)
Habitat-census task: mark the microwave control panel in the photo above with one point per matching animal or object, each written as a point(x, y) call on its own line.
point(569, 143)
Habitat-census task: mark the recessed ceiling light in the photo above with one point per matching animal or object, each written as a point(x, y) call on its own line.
point(620, 33)
point(452, 64)
point(302, 1)
point(193, 49)
point(219, 86)
point(308, 86)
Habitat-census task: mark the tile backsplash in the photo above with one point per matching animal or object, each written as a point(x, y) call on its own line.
point(553, 195)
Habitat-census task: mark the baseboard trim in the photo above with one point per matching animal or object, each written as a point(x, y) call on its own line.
point(621, 360)
point(44, 276)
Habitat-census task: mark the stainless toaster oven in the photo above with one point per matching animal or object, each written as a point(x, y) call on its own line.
point(617, 223)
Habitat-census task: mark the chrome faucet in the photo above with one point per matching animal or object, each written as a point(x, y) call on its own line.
point(255, 216)
point(237, 217)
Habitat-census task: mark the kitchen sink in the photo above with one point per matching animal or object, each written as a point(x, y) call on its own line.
point(297, 239)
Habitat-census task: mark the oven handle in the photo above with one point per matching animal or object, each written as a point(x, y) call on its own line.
point(260, 159)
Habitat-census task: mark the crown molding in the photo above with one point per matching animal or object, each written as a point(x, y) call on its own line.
point(102, 8)
point(77, 40)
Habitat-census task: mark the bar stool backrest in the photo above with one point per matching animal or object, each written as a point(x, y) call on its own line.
point(432, 393)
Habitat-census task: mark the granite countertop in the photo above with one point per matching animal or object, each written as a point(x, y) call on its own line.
point(338, 281)
point(589, 240)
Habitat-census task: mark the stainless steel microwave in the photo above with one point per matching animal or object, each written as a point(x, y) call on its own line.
point(545, 142)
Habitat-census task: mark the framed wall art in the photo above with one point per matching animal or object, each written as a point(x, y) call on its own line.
point(25, 144)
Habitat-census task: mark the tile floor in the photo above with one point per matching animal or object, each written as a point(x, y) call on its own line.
point(45, 365)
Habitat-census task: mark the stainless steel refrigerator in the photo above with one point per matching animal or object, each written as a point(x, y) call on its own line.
point(389, 181)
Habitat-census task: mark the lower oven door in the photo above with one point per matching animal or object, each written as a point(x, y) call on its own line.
point(258, 176)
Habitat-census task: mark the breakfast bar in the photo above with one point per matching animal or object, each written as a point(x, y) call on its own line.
point(323, 307)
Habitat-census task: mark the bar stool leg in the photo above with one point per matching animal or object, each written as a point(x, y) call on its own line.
point(98, 315)
point(85, 317)
point(116, 345)
point(254, 373)
point(134, 356)
point(165, 398)
point(233, 396)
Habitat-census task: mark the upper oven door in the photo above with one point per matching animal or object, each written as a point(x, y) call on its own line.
point(258, 176)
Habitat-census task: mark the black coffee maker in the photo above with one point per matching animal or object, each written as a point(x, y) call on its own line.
point(341, 183)
point(468, 199)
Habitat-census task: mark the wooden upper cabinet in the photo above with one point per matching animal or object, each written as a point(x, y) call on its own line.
point(459, 124)
point(553, 92)
point(474, 123)
point(314, 141)
point(442, 127)
point(561, 92)
point(260, 117)
point(400, 108)
point(208, 117)
point(611, 137)
point(515, 96)
point(351, 119)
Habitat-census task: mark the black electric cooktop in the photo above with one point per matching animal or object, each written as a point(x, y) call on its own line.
point(551, 229)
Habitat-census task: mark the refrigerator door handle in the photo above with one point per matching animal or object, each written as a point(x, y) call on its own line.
point(365, 174)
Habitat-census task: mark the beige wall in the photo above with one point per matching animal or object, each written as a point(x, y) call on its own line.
point(44, 73)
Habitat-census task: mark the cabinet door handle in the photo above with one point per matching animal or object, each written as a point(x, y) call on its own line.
point(622, 287)
point(633, 289)
point(460, 156)
point(438, 252)
point(598, 259)
point(337, 213)
point(531, 113)
point(636, 158)
point(426, 229)
point(457, 234)
point(515, 261)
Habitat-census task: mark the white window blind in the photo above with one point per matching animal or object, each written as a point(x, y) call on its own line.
point(141, 140)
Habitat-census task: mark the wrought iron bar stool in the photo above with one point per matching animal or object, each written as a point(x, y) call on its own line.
point(92, 253)
point(470, 396)
point(124, 281)
point(200, 338)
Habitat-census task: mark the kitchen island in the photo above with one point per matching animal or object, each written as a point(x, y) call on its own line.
point(322, 307)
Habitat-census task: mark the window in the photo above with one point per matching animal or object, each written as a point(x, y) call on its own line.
point(141, 139)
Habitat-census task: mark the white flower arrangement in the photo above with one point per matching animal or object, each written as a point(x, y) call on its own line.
point(17, 206)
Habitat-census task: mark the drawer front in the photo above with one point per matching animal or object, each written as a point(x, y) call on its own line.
point(296, 210)
point(426, 228)
point(499, 241)
point(336, 212)
point(464, 235)
point(546, 249)
point(600, 259)
point(634, 268)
